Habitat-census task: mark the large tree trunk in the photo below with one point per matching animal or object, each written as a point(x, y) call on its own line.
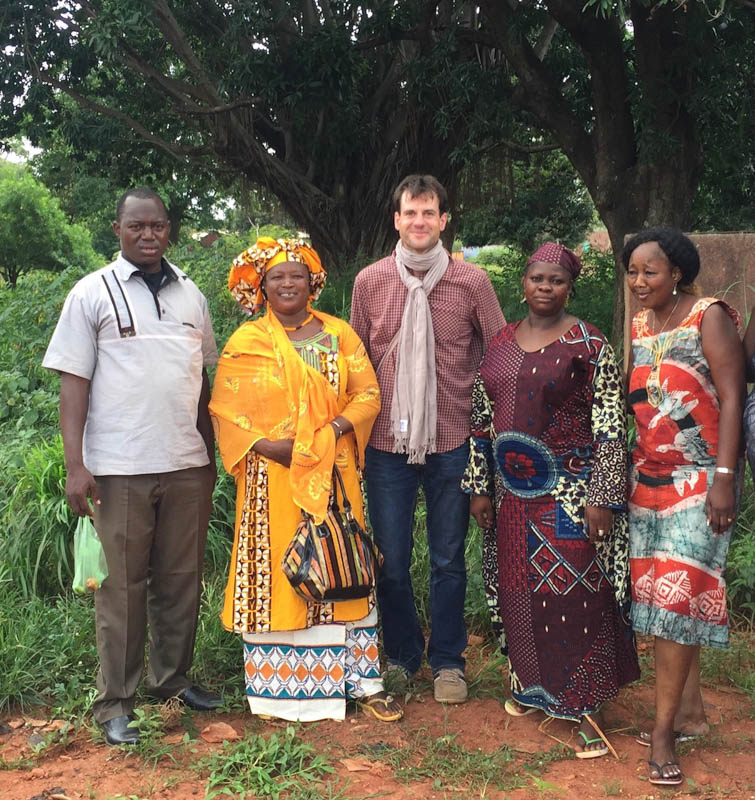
point(640, 169)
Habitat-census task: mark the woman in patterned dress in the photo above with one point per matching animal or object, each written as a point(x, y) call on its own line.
point(686, 387)
point(548, 450)
point(294, 393)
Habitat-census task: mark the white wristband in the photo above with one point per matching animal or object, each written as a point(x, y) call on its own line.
point(725, 471)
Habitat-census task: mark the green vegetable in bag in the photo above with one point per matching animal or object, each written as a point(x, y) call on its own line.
point(89, 558)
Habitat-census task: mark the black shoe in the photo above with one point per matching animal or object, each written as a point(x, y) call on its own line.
point(199, 699)
point(118, 732)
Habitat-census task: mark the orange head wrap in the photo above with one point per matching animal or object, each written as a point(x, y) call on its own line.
point(250, 267)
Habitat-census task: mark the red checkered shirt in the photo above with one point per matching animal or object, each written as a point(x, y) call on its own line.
point(465, 314)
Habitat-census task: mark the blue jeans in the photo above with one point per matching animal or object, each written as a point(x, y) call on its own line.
point(392, 487)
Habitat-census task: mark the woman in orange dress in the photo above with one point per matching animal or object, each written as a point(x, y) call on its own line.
point(294, 394)
point(686, 387)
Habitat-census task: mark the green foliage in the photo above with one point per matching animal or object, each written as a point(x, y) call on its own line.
point(740, 564)
point(732, 667)
point(47, 653)
point(34, 232)
point(258, 766)
point(321, 116)
point(150, 722)
point(276, 231)
point(37, 524)
point(534, 201)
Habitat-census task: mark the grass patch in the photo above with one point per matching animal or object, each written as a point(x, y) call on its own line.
point(47, 653)
point(450, 766)
point(732, 667)
point(265, 767)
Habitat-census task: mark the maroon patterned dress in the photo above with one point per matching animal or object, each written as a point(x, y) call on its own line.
point(549, 438)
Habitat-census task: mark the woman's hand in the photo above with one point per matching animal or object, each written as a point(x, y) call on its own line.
point(720, 504)
point(598, 522)
point(481, 508)
point(279, 451)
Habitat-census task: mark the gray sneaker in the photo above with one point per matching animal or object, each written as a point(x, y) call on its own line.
point(449, 686)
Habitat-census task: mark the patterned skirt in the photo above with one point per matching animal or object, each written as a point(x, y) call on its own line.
point(570, 645)
point(308, 675)
point(677, 564)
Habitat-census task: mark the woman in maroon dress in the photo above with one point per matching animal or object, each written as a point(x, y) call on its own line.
point(547, 472)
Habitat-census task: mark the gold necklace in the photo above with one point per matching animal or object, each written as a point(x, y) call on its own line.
point(658, 351)
point(668, 318)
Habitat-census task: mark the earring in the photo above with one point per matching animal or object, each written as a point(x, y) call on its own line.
point(566, 304)
point(523, 300)
point(674, 292)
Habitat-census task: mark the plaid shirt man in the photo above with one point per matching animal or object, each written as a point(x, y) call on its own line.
point(465, 314)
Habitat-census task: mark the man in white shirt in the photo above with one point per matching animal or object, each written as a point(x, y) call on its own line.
point(131, 346)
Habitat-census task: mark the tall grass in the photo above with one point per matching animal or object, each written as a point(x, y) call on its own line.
point(47, 652)
point(37, 524)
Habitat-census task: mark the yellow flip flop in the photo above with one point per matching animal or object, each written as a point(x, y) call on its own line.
point(376, 705)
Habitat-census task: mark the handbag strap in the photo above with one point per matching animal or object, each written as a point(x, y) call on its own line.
point(334, 500)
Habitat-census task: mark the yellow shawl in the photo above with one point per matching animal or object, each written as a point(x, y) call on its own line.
point(264, 390)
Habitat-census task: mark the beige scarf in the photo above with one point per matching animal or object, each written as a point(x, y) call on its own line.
point(414, 408)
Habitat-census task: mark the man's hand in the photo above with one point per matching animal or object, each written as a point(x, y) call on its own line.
point(481, 508)
point(80, 486)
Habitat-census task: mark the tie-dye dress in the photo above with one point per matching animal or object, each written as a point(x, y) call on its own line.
point(549, 438)
point(677, 564)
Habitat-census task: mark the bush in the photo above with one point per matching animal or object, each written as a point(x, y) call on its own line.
point(34, 232)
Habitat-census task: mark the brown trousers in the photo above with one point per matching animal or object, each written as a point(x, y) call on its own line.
point(153, 530)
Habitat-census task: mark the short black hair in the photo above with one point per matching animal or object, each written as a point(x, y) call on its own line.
point(418, 185)
point(143, 193)
point(679, 250)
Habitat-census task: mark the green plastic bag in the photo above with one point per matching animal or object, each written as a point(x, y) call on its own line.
point(89, 558)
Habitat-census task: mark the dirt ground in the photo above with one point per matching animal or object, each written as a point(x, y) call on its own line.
point(719, 766)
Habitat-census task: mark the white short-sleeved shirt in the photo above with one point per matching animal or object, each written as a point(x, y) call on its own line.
point(144, 357)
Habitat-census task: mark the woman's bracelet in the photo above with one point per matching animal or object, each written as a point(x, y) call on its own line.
point(339, 429)
point(725, 471)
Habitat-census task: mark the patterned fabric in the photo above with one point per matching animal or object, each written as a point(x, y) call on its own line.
point(465, 314)
point(748, 421)
point(264, 389)
point(548, 437)
point(301, 660)
point(678, 588)
point(250, 267)
point(554, 253)
point(307, 675)
point(259, 392)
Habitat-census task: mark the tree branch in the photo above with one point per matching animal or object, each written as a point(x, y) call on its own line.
point(526, 149)
point(173, 33)
point(546, 37)
point(538, 92)
point(176, 151)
